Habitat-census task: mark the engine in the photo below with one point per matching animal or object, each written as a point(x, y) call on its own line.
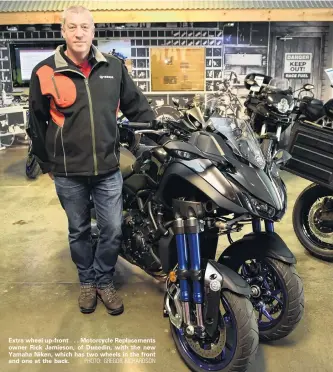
point(138, 246)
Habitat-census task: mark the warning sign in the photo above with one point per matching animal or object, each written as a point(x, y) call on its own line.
point(297, 65)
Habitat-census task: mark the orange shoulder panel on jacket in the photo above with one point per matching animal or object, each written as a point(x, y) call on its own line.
point(59, 86)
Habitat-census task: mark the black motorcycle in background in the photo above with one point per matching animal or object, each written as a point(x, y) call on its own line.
point(225, 101)
point(311, 147)
point(272, 109)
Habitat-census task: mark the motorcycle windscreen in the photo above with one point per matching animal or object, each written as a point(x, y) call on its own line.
point(235, 142)
point(239, 136)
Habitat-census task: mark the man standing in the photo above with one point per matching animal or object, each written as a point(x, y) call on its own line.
point(74, 98)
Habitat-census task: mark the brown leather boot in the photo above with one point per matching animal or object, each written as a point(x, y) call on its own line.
point(88, 298)
point(113, 303)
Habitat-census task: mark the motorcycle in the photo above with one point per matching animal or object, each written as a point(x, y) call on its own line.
point(179, 197)
point(312, 158)
point(271, 107)
point(225, 102)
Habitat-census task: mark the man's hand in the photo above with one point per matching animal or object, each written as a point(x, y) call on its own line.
point(51, 176)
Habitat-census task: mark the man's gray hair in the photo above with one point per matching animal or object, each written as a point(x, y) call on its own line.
point(75, 9)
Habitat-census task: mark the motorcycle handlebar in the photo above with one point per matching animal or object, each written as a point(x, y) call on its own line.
point(135, 125)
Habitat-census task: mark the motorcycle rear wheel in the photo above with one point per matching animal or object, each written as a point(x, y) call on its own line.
point(241, 340)
point(304, 224)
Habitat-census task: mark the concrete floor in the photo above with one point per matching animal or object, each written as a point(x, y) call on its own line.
point(39, 288)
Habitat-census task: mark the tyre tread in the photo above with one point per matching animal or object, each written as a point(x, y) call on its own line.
point(293, 313)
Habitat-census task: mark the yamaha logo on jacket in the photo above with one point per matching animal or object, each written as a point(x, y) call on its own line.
point(73, 119)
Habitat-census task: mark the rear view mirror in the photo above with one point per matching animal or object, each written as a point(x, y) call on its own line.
point(308, 87)
point(175, 102)
point(281, 157)
point(251, 82)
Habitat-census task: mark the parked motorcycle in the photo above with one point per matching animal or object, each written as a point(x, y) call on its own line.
point(179, 197)
point(311, 148)
point(225, 102)
point(272, 108)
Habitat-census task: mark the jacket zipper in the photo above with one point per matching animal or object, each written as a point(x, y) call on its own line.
point(63, 149)
point(92, 127)
point(55, 141)
point(55, 87)
point(116, 140)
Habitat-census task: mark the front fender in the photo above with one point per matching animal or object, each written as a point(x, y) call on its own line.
point(259, 246)
point(217, 279)
point(228, 278)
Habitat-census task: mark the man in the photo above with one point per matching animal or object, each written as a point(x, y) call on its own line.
point(74, 98)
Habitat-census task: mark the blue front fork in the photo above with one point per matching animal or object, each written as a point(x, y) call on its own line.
point(183, 265)
point(256, 225)
point(193, 240)
point(188, 268)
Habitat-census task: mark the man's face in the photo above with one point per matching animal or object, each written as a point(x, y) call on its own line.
point(78, 32)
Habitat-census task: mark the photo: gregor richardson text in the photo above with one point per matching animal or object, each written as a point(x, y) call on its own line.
point(90, 350)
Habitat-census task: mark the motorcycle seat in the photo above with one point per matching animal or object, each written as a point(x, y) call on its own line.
point(315, 101)
point(127, 160)
point(313, 109)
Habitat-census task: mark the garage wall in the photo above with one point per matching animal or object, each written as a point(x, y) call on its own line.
point(219, 42)
point(303, 37)
point(241, 47)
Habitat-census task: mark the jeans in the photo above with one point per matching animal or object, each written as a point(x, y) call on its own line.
point(74, 195)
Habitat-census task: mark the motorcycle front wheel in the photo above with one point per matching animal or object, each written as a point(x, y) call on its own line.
point(235, 346)
point(277, 296)
point(316, 238)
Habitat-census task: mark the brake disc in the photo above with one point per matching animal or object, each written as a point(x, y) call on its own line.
point(325, 237)
point(213, 350)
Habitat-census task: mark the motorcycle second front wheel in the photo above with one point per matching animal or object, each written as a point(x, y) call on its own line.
point(277, 296)
point(316, 238)
point(233, 349)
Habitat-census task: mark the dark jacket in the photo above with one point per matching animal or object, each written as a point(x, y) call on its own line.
point(72, 119)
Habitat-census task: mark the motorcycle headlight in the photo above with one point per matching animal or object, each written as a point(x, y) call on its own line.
point(283, 106)
point(258, 207)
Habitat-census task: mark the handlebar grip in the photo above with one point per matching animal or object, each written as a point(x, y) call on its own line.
point(138, 125)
